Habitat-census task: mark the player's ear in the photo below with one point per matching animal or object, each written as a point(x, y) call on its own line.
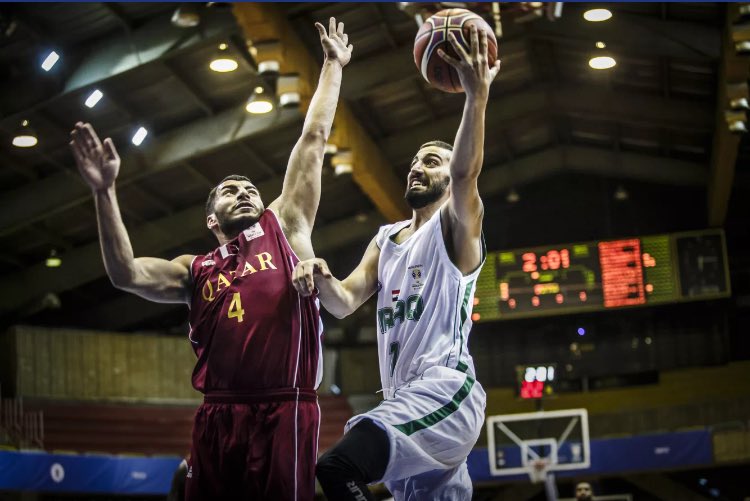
point(212, 222)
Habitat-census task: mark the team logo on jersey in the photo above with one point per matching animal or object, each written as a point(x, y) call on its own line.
point(416, 274)
point(394, 294)
point(208, 262)
point(253, 232)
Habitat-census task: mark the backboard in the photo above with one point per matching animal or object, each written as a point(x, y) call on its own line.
point(516, 441)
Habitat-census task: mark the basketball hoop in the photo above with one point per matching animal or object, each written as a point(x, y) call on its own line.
point(537, 470)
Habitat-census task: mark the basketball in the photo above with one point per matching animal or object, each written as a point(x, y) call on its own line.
point(433, 35)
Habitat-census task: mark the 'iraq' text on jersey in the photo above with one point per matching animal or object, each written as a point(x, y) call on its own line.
point(248, 326)
point(424, 305)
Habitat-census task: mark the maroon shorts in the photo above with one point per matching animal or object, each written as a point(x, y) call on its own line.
point(254, 447)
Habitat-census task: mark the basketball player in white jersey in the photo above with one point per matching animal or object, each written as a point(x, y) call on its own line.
point(424, 270)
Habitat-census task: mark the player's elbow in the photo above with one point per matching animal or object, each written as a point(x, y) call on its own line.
point(315, 133)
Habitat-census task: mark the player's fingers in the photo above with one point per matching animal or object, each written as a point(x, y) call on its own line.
point(110, 150)
point(340, 30)
point(495, 69)
point(473, 33)
point(483, 45)
point(331, 26)
point(89, 135)
point(345, 38)
point(77, 154)
point(458, 47)
point(325, 271)
point(350, 48)
point(448, 59)
point(321, 30)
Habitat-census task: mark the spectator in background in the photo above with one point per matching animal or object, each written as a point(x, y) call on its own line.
point(584, 492)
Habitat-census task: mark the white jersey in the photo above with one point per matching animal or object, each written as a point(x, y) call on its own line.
point(424, 306)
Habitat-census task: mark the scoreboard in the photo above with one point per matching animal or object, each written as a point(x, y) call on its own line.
point(602, 275)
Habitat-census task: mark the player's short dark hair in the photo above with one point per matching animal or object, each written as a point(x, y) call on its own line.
point(439, 144)
point(212, 194)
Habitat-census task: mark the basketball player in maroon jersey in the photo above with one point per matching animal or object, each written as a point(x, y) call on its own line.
point(257, 341)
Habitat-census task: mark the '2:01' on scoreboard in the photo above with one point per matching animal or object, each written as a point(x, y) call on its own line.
point(602, 275)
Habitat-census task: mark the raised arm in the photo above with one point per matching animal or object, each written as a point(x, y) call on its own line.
point(300, 194)
point(340, 297)
point(151, 278)
point(464, 211)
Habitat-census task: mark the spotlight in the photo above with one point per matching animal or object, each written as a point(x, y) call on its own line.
point(342, 162)
point(330, 149)
point(621, 194)
point(139, 136)
point(269, 68)
point(602, 62)
point(601, 45)
point(223, 62)
point(93, 98)
point(53, 261)
point(287, 88)
point(25, 136)
point(513, 196)
point(597, 15)
point(736, 121)
point(742, 47)
point(186, 16)
point(260, 102)
point(50, 61)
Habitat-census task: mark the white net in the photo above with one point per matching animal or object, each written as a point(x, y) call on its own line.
point(537, 470)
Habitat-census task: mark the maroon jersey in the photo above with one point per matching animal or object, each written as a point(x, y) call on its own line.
point(249, 327)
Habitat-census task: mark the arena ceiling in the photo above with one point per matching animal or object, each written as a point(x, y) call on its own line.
point(556, 131)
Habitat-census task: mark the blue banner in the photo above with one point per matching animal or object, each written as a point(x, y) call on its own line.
point(42, 472)
point(638, 453)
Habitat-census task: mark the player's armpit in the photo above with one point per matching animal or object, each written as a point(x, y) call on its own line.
point(160, 280)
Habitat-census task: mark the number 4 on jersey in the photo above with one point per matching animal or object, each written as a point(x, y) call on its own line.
point(235, 308)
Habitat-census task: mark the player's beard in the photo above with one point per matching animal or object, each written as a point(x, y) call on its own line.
point(419, 199)
point(231, 227)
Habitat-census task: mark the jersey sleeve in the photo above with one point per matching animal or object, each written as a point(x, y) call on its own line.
point(382, 235)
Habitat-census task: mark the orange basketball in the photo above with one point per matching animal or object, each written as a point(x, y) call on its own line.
point(433, 35)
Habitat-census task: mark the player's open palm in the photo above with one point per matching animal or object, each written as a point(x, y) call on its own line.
point(97, 161)
point(474, 71)
point(335, 42)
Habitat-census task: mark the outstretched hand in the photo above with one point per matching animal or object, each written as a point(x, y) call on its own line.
point(473, 69)
point(97, 161)
point(335, 42)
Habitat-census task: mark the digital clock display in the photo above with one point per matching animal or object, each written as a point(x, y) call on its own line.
point(536, 381)
point(602, 275)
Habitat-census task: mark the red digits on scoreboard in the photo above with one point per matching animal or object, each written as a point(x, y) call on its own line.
point(529, 262)
point(565, 258)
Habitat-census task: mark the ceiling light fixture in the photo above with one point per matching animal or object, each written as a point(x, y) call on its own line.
point(139, 136)
point(602, 62)
point(50, 61)
point(260, 102)
point(53, 261)
point(601, 45)
point(597, 15)
point(621, 194)
point(342, 162)
point(93, 98)
point(223, 62)
point(513, 196)
point(25, 136)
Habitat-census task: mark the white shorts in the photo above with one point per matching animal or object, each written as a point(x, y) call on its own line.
point(432, 424)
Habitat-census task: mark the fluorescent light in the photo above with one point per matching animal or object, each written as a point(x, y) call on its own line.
point(601, 45)
point(93, 98)
point(602, 62)
point(597, 15)
point(50, 61)
point(25, 136)
point(139, 136)
point(223, 65)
